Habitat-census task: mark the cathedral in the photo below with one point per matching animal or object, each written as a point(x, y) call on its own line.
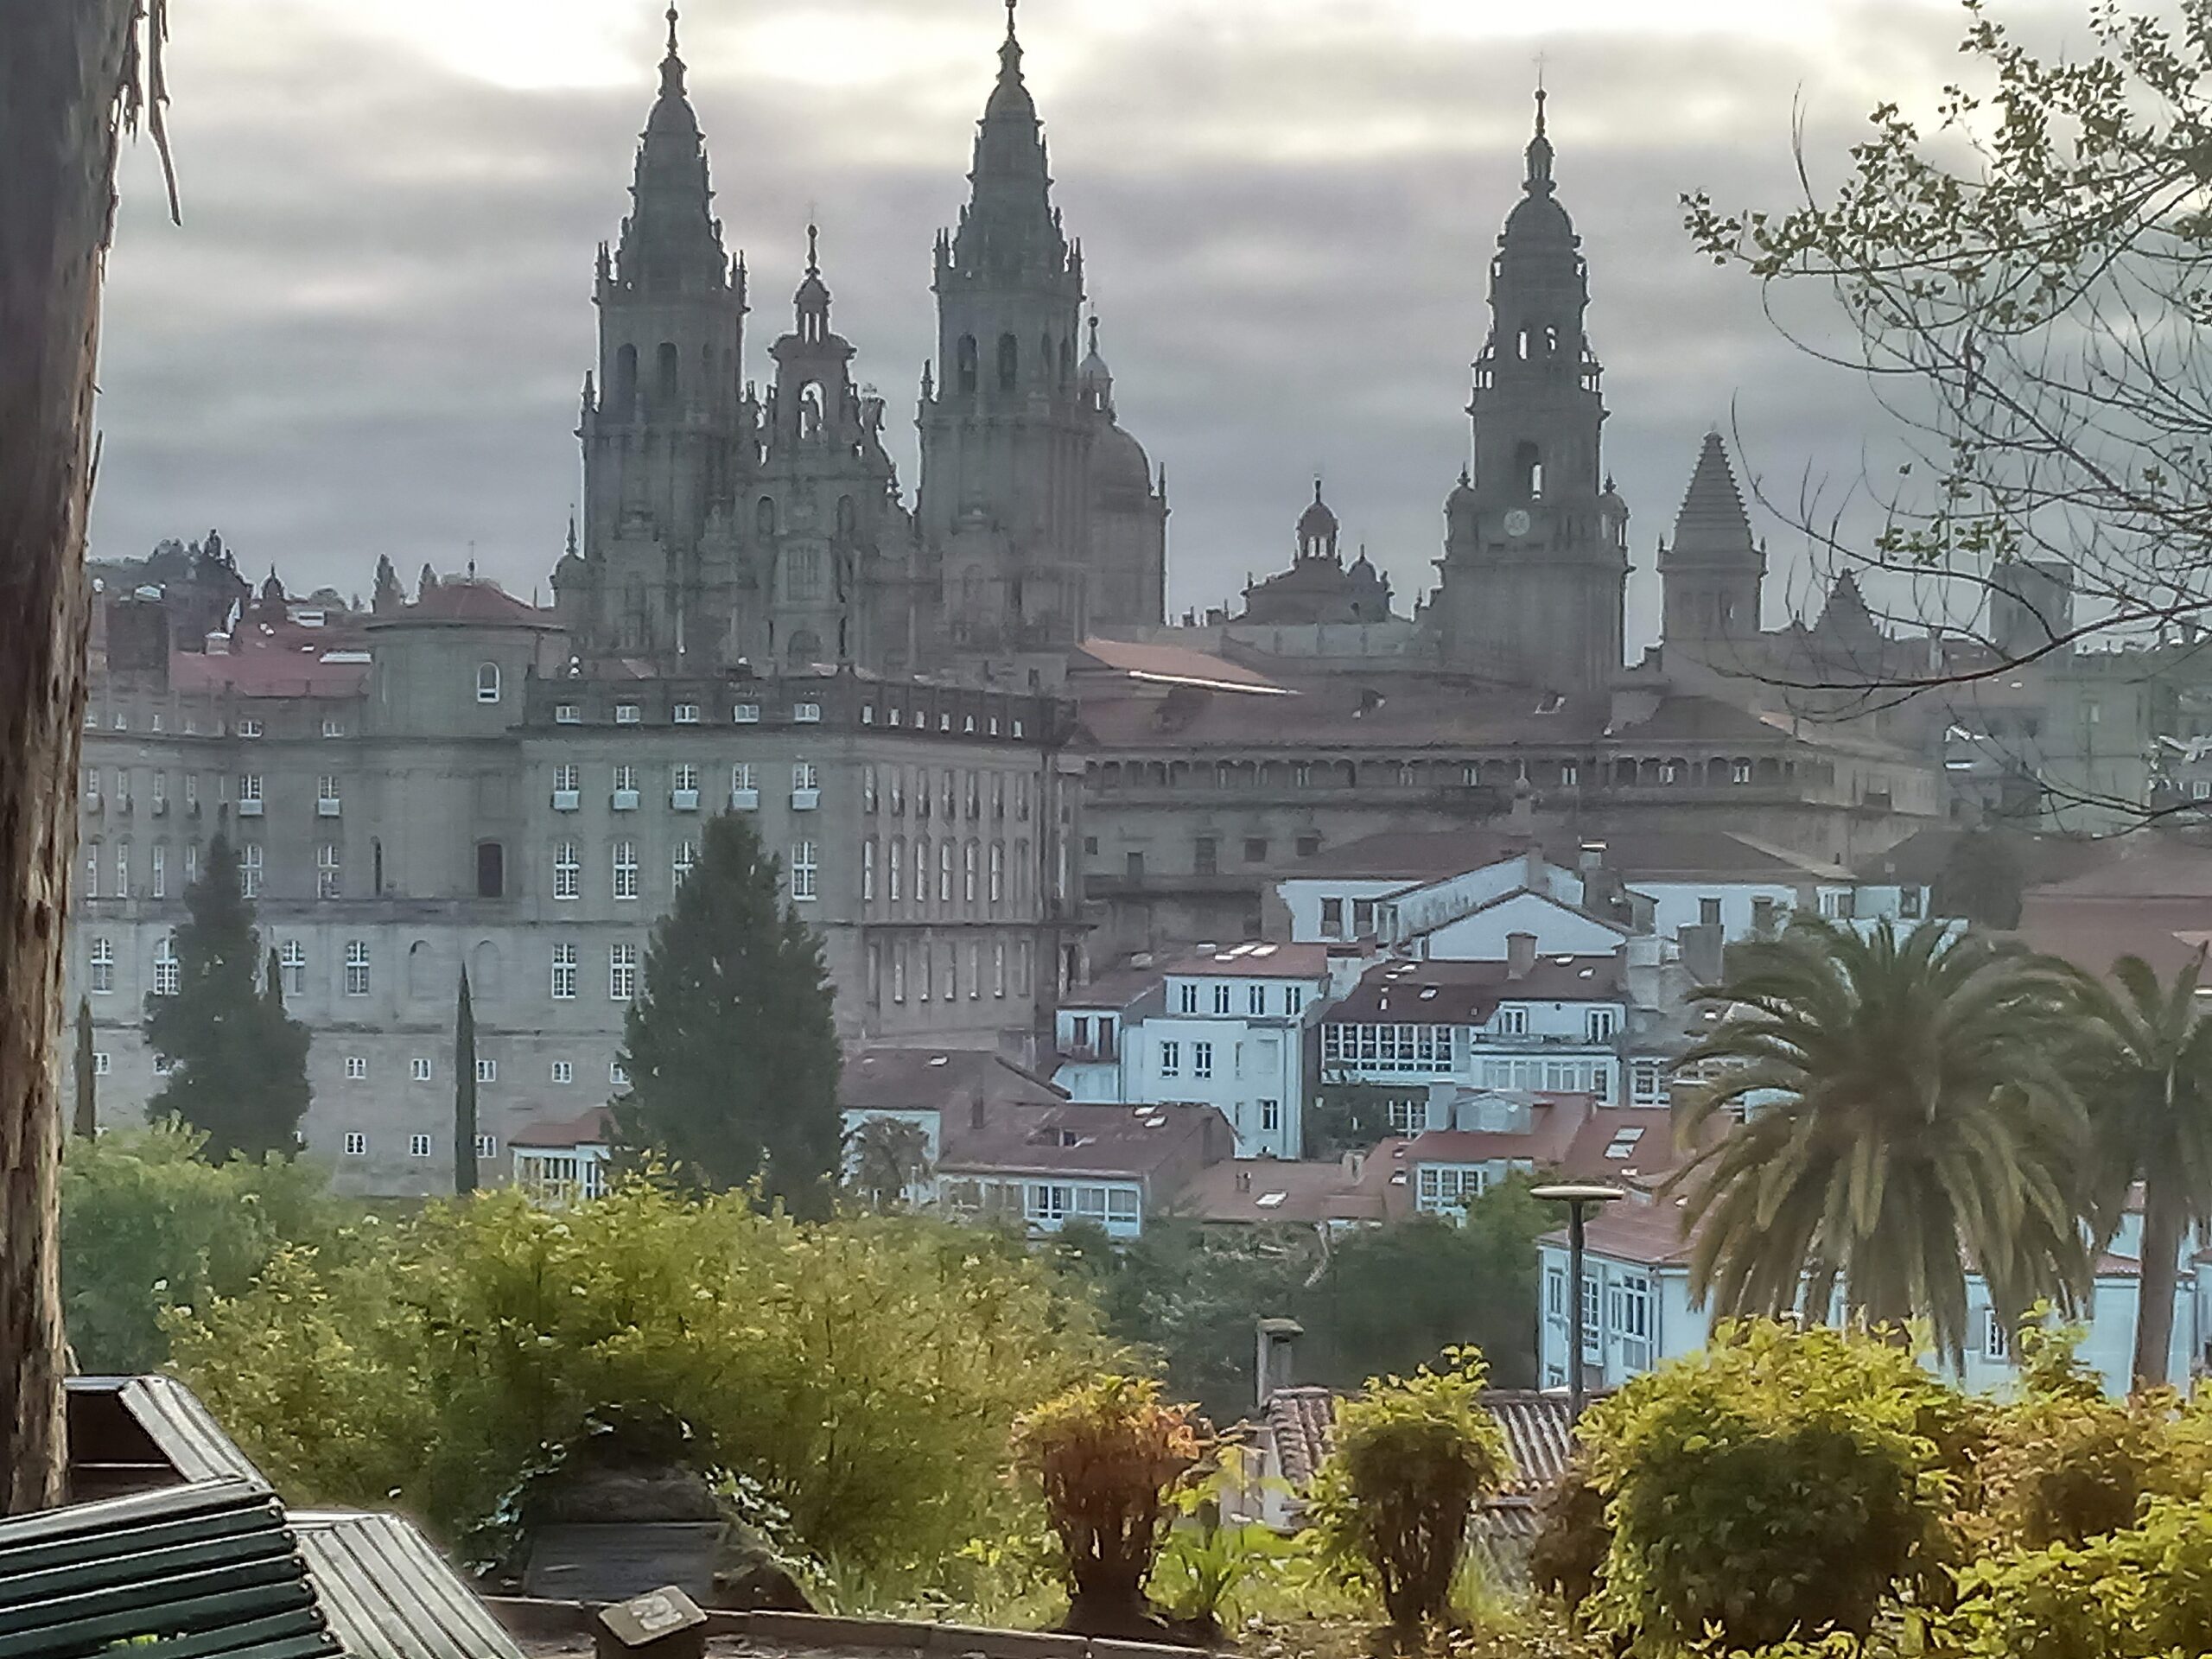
point(724, 525)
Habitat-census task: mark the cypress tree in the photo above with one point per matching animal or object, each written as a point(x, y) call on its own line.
point(464, 1093)
point(732, 1049)
point(238, 1061)
point(87, 1123)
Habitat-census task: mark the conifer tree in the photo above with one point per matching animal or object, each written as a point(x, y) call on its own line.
point(464, 1093)
point(238, 1061)
point(88, 1117)
point(731, 1050)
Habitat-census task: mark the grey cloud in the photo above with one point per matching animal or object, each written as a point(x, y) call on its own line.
point(369, 333)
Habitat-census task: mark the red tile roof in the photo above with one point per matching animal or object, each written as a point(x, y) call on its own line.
point(936, 1079)
point(1633, 1231)
point(470, 599)
point(1257, 961)
point(1069, 1138)
point(1538, 1435)
point(594, 1128)
point(1262, 1191)
point(1468, 993)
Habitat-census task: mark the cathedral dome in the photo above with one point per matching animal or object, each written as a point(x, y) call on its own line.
point(1317, 524)
point(1119, 466)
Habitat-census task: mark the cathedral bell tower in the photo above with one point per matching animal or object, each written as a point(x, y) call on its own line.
point(1006, 439)
point(661, 413)
point(1536, 564)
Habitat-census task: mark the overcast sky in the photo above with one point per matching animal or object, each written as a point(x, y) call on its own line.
point(369, 333)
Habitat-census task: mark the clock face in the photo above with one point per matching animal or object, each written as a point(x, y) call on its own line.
point(1517, 523)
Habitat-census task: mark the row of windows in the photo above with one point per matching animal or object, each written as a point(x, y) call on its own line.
point(1411, 774)
point(929, 971)
point(1395, 1047)
point(948, 791)
point(1223, 999)
point(966, 869)
point(355, 1143)
point(250, 726)
point(687, 713)
point(292, 963)
point(802, 871)
point(422, 1069)
point(683, 781)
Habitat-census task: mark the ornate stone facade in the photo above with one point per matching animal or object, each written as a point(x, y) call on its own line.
point(721, 527)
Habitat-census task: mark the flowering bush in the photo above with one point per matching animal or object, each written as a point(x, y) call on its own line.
point(1108, 1455)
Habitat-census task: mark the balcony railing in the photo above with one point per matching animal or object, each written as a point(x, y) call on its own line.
point(566, 800)
point(744, 800)
point(624, 800)
point(683, 800)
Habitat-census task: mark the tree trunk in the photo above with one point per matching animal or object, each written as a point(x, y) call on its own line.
point(62, 64)
point(2161, 1256)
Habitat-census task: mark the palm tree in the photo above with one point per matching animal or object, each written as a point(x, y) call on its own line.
point(2147, 1084)
point(1904, 1110)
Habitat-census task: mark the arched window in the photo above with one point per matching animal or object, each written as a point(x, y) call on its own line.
point(805, 647)
point(848, 517)
point(487, 683)
point(623, 394)
point(491, 870)
point(665, 377)
point(967, 363)
point(1551, 339)
point(764, 517)
point(1067, 361)
point(485, 968)
point(1044, 356)
point(1521, 346)
point(1009, 362)
point(419, 974)
point(1529, 470)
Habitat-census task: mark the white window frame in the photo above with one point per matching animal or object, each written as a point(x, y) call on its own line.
point(805, 869)
point(568, 870)
point(488, 682)
point(622, 870)
point(357, 966)
point(419, 1070)
point(565, 968)
point(356, 1144)
point(622, 973)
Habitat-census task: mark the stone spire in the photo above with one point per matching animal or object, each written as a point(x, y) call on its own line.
point(1712, 573)
point(1009, 227)
point(1712, 522)
point(671, 238)
point(811, 302)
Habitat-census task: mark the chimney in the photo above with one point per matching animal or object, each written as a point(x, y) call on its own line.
point(1594, 857)
point(1519, 955)
point(1521, 817)
point(1272, 1364)
point(1701, 945)
point(1243, 1180)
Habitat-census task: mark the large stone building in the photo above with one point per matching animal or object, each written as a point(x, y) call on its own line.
point(721, 525)
point(444, 786)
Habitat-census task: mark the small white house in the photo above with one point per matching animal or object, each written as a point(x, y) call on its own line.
point(1228, 1029)
point(1637, 1312)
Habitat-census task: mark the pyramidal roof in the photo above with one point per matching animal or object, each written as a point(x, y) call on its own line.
point(1713, 525)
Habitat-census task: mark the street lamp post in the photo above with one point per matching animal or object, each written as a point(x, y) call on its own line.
point(1580, 1199)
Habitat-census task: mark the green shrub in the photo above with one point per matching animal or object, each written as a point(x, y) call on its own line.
point(1215, 1557)
point(1413, 1455)
point(2142, 1594)
point(1107, 1456)
point(865, 1373)
point(1781, 1484)
point(148, 1223)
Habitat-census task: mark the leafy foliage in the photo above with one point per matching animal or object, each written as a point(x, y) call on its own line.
point(1780, 1482)
point(2142, 1594)
point(1394, 1297)
point(1411, 1455)
point(238, 1063)
point(1215, 1556)
point(1567, 1557)
point(732, 1051)
point(1107, 1454)
point(2026, 278)
point(1904, 1100)
point(865, 1373)
point(888, 1157)
point(147, 1224)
